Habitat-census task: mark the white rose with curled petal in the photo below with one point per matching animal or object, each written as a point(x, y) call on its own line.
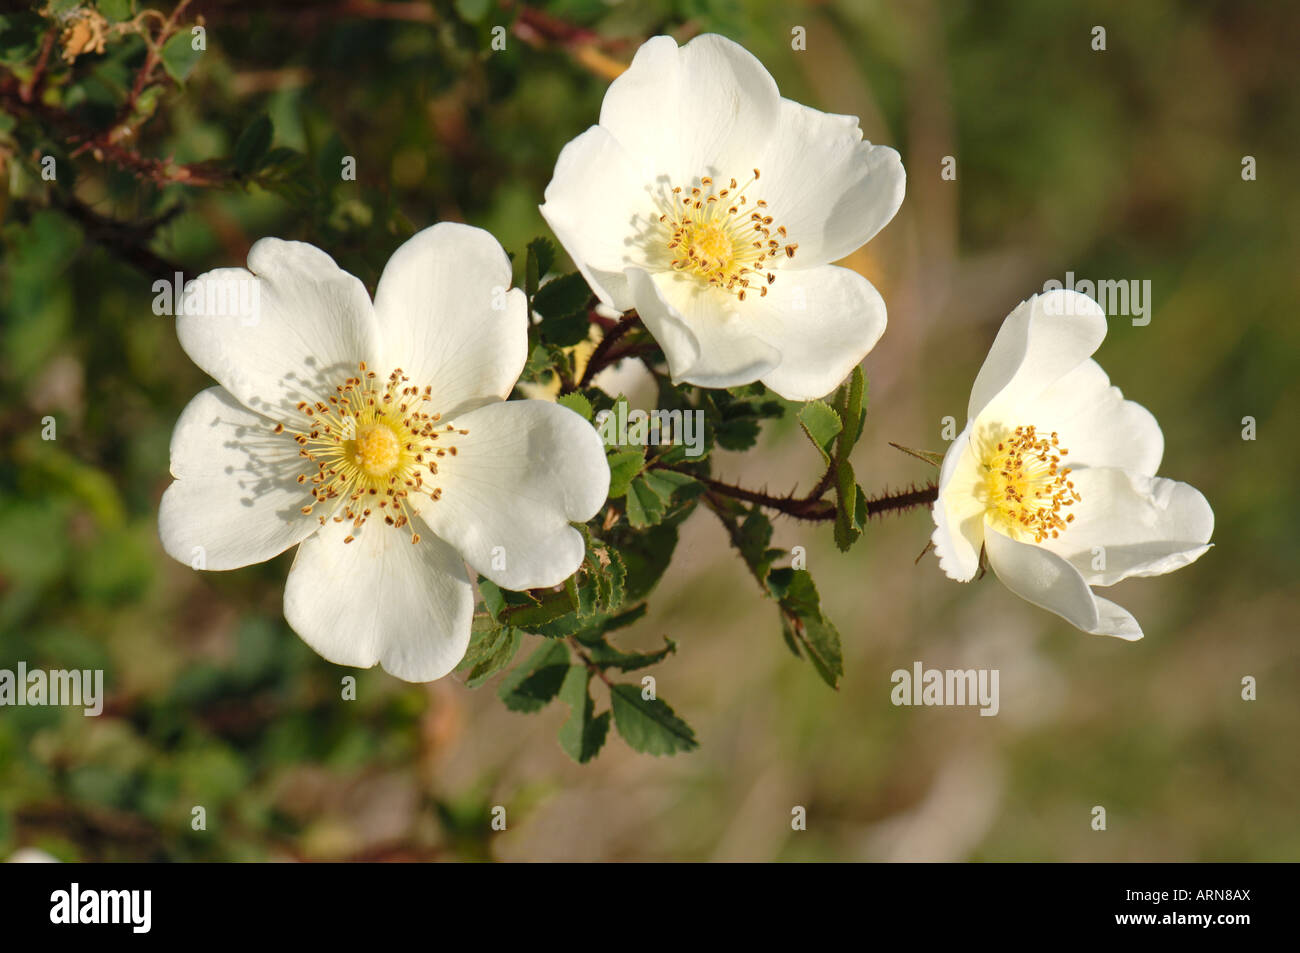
point(377, 438)
point(714, 207)
point(1054, 477)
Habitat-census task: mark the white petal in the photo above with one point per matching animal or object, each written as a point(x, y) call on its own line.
point(526, 470)
point(596, 203)
point(236, 499)
point(1047, 580)
point(823, 322)
point(958, 513)
point(1097, 425)
point(1040, 342)
point(290, 331)
point(1144, 526)
point(703, 109)
point(830, 190)
point(381, 599)
point(449, 320)
point(703, 331)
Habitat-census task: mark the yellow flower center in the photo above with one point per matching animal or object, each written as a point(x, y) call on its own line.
point(377, 450)
point(1026, 488)
point(720, 237)
point(373, 447)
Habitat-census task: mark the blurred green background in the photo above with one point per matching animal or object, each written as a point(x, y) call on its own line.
point(1123, 163)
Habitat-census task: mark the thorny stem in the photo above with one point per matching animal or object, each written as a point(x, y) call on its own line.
point(813, 507)
point(903, 499)
point(601, 357)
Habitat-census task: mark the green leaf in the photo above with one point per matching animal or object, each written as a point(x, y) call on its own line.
point(644, 506)
point(581, 590)
point(821, 424)
point(541, 255)
point(613, 580)
point(472, 11)
point(115, 10)
point(623, 467)
point(848, 524)
point(568, 330)
point(576, 403)
point(252, 144)
point(803, 623)
point(535, 682)
point(929, 456)
point(492, 597)
point(665, 483)
point(648, 725)
point(860, 513)
point(646, 556)
point(821, 640)
point(179, 56)
point(583, 734)
point(755, 535)
point(504, 645)
point(854, 411)
point(529, 617)
point(562, 296)
point(607, 656)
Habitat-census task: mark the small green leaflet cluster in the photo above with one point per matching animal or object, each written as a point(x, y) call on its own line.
point(627, 551)
point(652, 490)
point(834, 430)
point(807, 632)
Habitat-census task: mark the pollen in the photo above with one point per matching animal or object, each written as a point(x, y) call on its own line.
point(1027, 491)
point(376, 449)
point(715, 233)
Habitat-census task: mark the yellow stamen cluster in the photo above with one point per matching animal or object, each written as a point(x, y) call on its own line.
point(373, 445)
point(721, 238)
point(1027, 487)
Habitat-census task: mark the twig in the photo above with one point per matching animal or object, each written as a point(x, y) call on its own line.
point(586, 660)
point(127, 240)
point(38, 73)
point(601, 357)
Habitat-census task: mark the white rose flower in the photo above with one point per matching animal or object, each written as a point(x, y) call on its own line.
point(1054, 475)
point(715, 207)
point(377, 438)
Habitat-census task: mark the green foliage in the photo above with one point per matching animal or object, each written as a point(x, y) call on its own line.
point(648, 724)
point(806, 630)
point(583, 734)
point(822, 425)
point(179, 56)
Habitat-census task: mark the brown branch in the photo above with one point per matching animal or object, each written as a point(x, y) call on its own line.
point(903, 499)
point(158, 171)
point(601, 358)
point(812, 507)
point(586, 660)
point(143, 77)
point(129, 241)
point(28, 88)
